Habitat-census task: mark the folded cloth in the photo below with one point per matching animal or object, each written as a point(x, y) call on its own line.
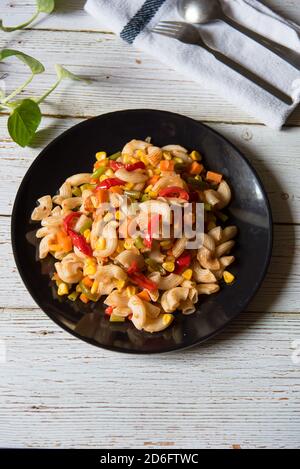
point(133, 20)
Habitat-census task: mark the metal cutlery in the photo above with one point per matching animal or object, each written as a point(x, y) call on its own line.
point(189, 34)
point(207, 11)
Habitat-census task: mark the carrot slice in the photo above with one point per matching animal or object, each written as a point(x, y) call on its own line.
point(153, 180)
point(84, 298)
point(102, 195)
point(116, 190)
point(196, 168)
point(166, 165)
point(64, 241)
point(214, 177)
point(98, 164)
point(87, 282)
point(144, 295)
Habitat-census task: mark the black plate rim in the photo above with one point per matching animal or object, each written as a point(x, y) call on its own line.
point(114, 348)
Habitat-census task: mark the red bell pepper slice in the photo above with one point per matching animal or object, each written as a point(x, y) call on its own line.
point(153, 224)
point(174, 191)
point(115, 165)
point(109, 310)
point(143, 282)
point(80, 243)
point(183, 262)
point(110, 182)
point(133, 268)
point(77, 239)
point(68, 220)
point(134, 166)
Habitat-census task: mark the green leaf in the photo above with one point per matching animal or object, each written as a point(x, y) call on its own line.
point(63, 74)
point(45, 6)
point(34, 65)
point(24, 121)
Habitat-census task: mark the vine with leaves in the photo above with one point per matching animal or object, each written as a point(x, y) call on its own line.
point(24, 114)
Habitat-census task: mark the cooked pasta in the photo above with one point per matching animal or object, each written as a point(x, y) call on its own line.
point(43, 210)
point(117, 233)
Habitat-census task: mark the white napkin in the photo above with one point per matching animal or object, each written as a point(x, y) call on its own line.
point(133, 20)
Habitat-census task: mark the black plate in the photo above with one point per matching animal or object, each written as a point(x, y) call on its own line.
point(74, 152)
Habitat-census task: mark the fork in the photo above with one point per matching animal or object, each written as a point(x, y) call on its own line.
point(189, 34)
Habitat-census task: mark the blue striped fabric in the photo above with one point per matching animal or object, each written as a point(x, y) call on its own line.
point(140, 20)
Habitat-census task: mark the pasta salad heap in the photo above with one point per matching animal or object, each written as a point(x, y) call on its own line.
point(144, 275)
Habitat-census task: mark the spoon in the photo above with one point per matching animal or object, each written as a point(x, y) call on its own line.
point(207, 11)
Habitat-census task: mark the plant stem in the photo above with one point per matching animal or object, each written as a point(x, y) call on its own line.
point(8, 29)
point(4, 108)
point(46, 94)
point(18, 90)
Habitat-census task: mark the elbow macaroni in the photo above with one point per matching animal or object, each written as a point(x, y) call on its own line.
point(144, 282)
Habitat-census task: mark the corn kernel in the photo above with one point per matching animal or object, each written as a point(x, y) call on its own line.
point(101, 155)
point(94, 288)
point(90, 270)
point(153, 194)
point(115, 318)
point(140, 154)
point(198, 178)
point(144, 160)
point(166, 244)
point(195, 155)
point(109, 172)
point(148, 189)
point(131, 291)
point(120, 284)
point(129, 186)
point(63, 289)
point(90, 261)
point(87, 234)
point(101, 244)
point(228, 277)
point(178, 160)
point(129, 243)
point(167, 319)
point(126, 159)
point(187, 274)
point(132, 160)
point(157, 171)
point(167, 155)
point(169, 266)
point(102, 178)
point(108, 217)
point(118, 215)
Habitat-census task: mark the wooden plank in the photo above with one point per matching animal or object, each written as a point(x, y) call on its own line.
point(122, 78)
point(280, 291)
point(275, 155)
point(71, 16)
point(241, 388)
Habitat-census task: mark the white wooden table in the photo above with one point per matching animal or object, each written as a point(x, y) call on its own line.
point(241, 388)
